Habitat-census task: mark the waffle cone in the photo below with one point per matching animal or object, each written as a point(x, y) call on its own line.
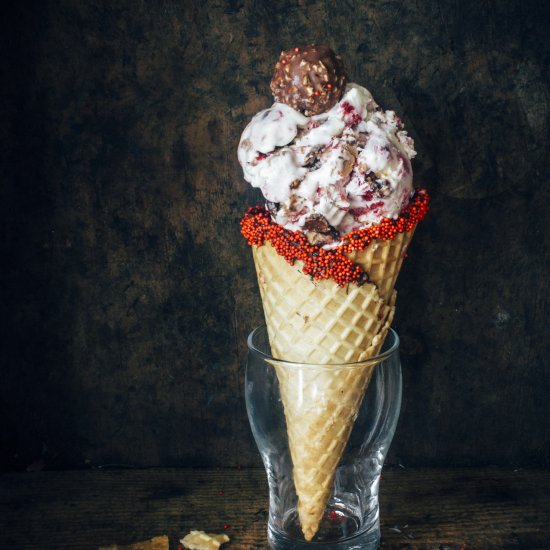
point(382, 260)
point(324, 325)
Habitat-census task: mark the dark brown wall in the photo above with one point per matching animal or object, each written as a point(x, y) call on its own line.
point(127, 289)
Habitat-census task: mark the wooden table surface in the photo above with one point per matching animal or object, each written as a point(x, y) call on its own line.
point(420, 508)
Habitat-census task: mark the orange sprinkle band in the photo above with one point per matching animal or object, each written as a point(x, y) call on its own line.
point(258, 227)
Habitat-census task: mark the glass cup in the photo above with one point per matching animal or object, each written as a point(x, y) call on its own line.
point(351, 515)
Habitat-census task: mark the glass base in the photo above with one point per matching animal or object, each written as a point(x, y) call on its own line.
point(338, 531)
point(283, 398)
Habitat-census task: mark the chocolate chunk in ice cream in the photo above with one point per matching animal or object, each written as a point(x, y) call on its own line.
point(319, 230)
point(310, 79)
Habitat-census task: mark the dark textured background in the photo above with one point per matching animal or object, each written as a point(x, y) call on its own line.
point(127, 290)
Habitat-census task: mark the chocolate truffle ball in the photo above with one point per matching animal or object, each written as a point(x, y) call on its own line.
point(310, 79)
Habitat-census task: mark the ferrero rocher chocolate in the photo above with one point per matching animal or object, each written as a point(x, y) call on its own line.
point(310, 79)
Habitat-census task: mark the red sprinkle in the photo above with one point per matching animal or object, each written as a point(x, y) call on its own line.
point(226, 526)
point(257, 227)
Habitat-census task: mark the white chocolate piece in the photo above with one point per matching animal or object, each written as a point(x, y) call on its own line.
point(199, 540)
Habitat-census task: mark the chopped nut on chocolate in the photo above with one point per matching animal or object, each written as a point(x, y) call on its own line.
point(310, 79)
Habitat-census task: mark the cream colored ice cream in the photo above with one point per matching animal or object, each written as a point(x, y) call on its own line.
point(340, 170)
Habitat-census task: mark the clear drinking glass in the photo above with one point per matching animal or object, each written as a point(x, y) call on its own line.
point(351, 517)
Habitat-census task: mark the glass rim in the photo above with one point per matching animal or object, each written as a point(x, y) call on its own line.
point(370, 360)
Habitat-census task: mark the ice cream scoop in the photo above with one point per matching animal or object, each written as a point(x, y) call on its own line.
point(332, 172)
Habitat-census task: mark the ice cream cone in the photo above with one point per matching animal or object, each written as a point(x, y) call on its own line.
point(335, 171)
point(382, 260)
point(321, 323)
point(321, 403)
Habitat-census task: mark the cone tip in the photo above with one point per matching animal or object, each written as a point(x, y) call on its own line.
point(309, 533)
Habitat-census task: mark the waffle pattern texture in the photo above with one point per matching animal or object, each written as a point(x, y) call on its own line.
point(322, 324)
